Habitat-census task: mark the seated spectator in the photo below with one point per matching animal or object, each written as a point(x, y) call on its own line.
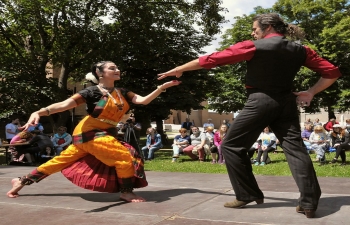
point(252, 150)
point(267, 141)
point(210, 140)
point(46, 155)
point(317, 122)
point(308, 121)
point(21, 137)
point(340, 141)
point(61, 140)
point(37, 144)
point(218, 138)
point(153, 143)
point(38, 127)
point(181, 141)
point(305, 134)
point(329, 125)
point(319, 143)
point(226, 122)
point(208, 124)
point(198, 140)
point(347, 125)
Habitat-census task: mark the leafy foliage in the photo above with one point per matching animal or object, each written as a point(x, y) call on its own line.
point(143, 38)
point(326, 25)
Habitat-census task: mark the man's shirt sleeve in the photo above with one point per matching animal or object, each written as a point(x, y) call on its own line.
point(239, 52)
point(320, 65)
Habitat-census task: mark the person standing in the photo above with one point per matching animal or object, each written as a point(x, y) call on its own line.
point(11, 129)
point(96, 134)
point(208, 124)
point(272, 64)
point(187, 125)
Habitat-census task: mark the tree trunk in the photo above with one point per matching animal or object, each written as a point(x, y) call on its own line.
point(160, 130)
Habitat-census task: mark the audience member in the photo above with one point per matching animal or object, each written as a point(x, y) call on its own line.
point(187, 124)
point(252, 150)
point(46, 155)
point(347, 125)
point(198, 140)
point(340, 141)
point(267, 141)
point(37, 127)
point(131, 131)
point(37, 144)
point(308, 121)
point(218, 138)
point(305, 134)
point(317, 122)
point(11, 129)
point(319, 143)
point(61, 140)
point(329, 125)
point(209, 133)
point(181, 141)
point(153, 143)
point(208, 124)
point(226, 122)
point(21, 137)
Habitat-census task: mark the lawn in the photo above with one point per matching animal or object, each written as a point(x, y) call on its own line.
point(278, 166)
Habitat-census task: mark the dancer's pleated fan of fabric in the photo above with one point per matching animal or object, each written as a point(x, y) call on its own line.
point(90, 173)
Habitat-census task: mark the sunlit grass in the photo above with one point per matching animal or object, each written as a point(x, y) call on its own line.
point(278, 166)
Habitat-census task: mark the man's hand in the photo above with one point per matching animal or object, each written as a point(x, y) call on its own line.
point(304, 98)
point(173, 72)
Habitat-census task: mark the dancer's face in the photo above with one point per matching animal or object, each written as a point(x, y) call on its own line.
point(111, 71)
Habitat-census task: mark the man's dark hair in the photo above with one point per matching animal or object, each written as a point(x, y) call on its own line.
point(273, 19)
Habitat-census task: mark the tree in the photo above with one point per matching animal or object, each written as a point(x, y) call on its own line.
point(231, 96)
point(166, 28)
point(144, 38)
point(325, 23)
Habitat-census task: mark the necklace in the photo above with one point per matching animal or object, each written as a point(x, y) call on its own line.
point(110, 89)
point(121, 105)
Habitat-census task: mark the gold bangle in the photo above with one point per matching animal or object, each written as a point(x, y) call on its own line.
point(160, 88)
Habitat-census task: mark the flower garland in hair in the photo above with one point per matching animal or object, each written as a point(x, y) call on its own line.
point(90, 77)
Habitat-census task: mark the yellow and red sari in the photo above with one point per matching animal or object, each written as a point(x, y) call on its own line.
point(96, 160)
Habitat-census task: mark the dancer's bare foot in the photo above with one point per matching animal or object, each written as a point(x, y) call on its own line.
point(131, 197)
point(16, 187)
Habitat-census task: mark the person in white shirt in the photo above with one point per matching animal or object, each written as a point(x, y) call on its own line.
point(267, 141)
point(198, 140)
point(319, 143)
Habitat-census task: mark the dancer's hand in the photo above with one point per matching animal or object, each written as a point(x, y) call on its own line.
point(173, 72)
point(170, 84)
point(32, 121)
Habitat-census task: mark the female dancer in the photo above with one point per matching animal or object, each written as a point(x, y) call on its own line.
point(96, 133)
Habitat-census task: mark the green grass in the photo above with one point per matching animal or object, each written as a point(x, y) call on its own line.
point(278, 166)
